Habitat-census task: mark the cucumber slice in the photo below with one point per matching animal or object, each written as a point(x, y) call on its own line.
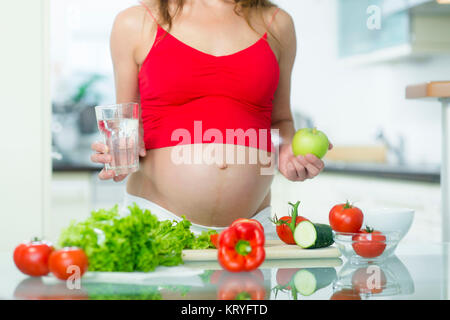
point(305, 282)
point(308, 281)
point(310, 235)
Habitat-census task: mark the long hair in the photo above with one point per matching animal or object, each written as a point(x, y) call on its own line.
point(242, 8)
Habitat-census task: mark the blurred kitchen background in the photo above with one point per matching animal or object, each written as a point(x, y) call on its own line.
point(348, 80)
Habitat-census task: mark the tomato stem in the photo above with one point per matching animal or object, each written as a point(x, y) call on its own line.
point(348, 205)
point(294, 216)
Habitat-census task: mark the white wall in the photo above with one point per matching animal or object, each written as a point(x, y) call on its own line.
point(80, 35)
point(350, 104)
point(25, 129)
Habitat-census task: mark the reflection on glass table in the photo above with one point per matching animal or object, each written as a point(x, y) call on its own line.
point(415, 272)
point(373, 280)
point(191, 281)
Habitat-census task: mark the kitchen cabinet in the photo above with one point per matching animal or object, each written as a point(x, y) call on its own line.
point(318, 196)
point(383, 30)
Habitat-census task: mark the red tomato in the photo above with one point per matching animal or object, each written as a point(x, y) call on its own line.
point(365, 280)
point(346, 218)
point(369, 243)
point(32, 257)
point(60, 261)
point(346, 294)
point(214, 238)
point(284, 277)
point(284, 231)
point(36, 289)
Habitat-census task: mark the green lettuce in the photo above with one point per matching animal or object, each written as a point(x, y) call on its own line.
point(135, 242)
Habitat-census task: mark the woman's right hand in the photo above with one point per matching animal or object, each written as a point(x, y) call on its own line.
point(102, 156)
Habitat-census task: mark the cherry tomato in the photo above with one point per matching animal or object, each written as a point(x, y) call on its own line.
point(214, 238)
point(369, 243)
point(31, 258)
point(285, 226)
point(369, 280)
point(60, 261)
point(346, 218)
point(284, 277)
point(284, 231)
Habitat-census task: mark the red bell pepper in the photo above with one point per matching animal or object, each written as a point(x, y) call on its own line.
point(241, 246)
point(241, 286)
point(255, 222)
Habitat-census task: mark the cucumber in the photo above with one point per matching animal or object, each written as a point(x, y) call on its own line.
point(310, 235)
point(308, 281)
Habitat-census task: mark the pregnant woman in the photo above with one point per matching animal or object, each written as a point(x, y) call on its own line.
point(207, 73)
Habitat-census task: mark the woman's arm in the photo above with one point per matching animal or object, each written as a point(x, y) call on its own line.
point(293, 168)
point(125, 37)
point(286, 42)
point(125, 40)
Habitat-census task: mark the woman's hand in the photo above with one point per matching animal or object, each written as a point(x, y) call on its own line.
point(102, 156)
point(299, 168)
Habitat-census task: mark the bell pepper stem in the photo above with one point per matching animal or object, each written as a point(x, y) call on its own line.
point(244, 295)
point(243, 247)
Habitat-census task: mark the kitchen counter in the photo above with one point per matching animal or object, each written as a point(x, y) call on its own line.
point(416, 272)
point(429, 174)
point(423, 173)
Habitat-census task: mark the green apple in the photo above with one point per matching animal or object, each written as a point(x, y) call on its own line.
point(310, 141)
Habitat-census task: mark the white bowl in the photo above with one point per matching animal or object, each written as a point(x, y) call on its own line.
point(389, 219)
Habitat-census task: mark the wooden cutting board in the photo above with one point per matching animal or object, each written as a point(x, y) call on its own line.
point(275, 250)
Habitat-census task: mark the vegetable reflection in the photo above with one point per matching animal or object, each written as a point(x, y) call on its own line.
point(239, 286)
point(304, 281)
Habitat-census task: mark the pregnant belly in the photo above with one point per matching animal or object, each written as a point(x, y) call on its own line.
point(210, 187)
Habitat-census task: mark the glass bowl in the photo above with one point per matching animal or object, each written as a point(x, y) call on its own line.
point(361, 248)
point(370, 280)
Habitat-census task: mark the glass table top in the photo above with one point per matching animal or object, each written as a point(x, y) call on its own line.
point(417, 272)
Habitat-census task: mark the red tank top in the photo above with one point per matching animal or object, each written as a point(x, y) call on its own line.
point(189, 97)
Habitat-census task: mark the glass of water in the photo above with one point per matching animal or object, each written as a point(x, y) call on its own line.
point(119, 126)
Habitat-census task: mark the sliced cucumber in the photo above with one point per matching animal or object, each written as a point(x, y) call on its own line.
point(308, 281)
point(305, 282)
point(310, 235)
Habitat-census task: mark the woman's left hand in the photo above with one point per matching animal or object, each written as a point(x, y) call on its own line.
point(299, 168)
